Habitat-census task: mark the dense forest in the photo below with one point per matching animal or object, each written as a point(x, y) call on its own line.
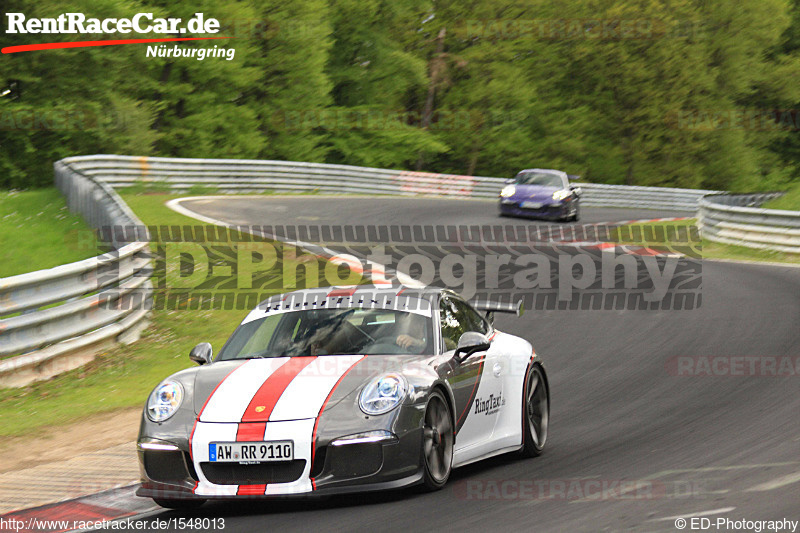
point(688, 93)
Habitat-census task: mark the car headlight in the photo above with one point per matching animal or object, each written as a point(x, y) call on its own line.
point(164, 401)
point(383, 394)
point(508, 190)
point(560, 194)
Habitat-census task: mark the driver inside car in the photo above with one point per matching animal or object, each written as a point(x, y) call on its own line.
point(411, 332)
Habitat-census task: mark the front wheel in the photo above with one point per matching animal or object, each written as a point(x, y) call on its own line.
point(437, 442)
point(572, 214)
point(535, 412)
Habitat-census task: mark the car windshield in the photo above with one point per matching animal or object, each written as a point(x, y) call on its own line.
point(539, 178)
point(330, 332)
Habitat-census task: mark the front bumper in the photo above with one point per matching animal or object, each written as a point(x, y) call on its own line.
point(550, 209)
point(352, 467)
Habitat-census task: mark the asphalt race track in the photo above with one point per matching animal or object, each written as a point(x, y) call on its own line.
point(714, 445)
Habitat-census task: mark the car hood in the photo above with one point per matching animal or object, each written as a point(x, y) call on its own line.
point(534, 192)
point(296, 388)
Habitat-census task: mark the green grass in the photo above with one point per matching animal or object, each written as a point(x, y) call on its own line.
point(162, 187)
point(124, 375)
point(37, 231)
point(714, 250)
point(701, 248)
point(789, 201)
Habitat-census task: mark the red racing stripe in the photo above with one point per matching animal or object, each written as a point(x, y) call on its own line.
point(250, 433)
point(197, 419)
point(321, 409)
point(82, 44)
point(251, 490)
point(265, 398)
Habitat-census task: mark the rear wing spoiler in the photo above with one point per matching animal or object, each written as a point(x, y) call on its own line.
point(499, 307)
point(573, 177)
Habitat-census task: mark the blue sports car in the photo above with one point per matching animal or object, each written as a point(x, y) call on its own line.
point(541, 193)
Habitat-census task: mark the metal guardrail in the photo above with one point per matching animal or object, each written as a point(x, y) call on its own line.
point(601, 195)
point(738, 219)
point(56, 319)
point(248, 176)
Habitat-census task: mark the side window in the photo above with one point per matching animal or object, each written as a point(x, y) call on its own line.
point(454, 323)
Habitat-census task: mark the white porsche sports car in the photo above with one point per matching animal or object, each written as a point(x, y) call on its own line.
point(340, 390)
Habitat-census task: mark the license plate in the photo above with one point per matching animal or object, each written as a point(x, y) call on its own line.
point(250, 452)
point(532, 205)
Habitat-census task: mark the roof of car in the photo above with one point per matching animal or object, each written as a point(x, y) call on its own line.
point(544, 170)
point(349, 290)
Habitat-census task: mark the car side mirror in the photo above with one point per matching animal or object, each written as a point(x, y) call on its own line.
point(509, 181)
point(469, 343)
point(201, 354)
point(576, 190)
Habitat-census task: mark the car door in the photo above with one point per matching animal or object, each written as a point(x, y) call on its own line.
point(476, 387)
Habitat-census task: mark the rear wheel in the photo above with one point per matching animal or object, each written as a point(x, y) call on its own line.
point(179, 504)
point(437, 442)
point(535, 412)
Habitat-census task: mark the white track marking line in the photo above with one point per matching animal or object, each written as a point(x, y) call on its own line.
point(694, 515)
point(776, 483)
point(315, 249)
point(664, 473)
point(746, 262)
point(176, 206)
